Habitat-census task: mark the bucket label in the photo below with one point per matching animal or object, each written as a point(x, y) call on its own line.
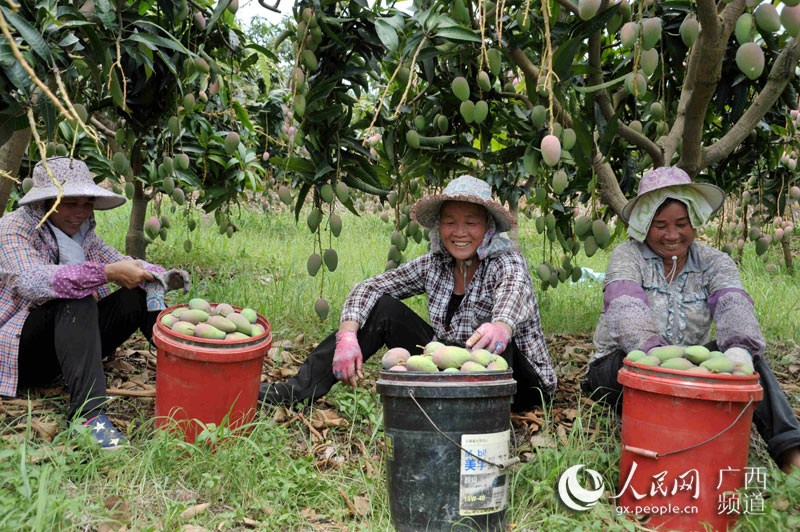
point(483, 487)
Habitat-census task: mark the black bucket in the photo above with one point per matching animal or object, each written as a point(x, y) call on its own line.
point(447, 449)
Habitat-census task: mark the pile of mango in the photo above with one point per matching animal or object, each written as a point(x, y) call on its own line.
point(439, 357)
point(692, 359)
point(213, 322)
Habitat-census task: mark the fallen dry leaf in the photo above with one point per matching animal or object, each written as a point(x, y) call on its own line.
point(327, 418)
point(193, 528)
point(192, 511)
point(252, 523)
point(120, 514)
point(361, 504)
point(570, 413)
point(542, 440)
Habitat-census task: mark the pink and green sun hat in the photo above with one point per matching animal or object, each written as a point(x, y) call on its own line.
point(463, 188)
point(672, 176)
point(75, 180)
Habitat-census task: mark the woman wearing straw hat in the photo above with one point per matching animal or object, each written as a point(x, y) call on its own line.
point(479, 296)
point(57, 313)
point(664, 288)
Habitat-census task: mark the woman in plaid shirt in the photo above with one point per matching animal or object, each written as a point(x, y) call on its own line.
point(479, 292)
point(57, 313)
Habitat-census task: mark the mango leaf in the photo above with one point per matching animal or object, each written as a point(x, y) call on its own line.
point(262, 50)
point(29, 34)
point(458, 33)
point(605, 85)
point(387, 35)
point(564, 56)
point(242, 115)
point(156, 41)
point(106, 13)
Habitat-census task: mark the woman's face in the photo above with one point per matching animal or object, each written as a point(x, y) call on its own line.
point(462, 226)
point(671, 232)
point(71, 213)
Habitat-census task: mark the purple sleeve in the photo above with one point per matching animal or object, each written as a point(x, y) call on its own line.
point(75, 281)
point(735, 317)
point(628, 317)
point(616, 289)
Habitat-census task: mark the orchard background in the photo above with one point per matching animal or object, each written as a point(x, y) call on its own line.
point(278, 162)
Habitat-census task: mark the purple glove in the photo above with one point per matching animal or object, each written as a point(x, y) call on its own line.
point(490, 336)
point(347, 358)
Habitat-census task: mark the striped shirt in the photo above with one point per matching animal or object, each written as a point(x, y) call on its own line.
point(500, 290)
point(30, 275)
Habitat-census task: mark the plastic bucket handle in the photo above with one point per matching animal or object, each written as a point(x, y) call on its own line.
point(504, 465)
point(654, 455)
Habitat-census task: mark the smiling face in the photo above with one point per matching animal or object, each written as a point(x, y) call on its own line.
point(72, 213)
point(671, 232)
point(462, 226)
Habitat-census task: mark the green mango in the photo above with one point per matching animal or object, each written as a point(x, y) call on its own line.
point(450, 356)
point(696, 353)
point(250, 314)
point(195, 316)
point(666, 352)
point(222, 323)
point(209, 332)
point(481, 356)
point(635, 355)
point(242, 324)
point(649, 361)
point(421, 363)
point(719, 365)
point(677, 363)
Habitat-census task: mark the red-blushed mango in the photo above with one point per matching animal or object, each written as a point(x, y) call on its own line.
point(394, 357)
point(222, 323)
point(242, 324)
point(236, 335)
point(199, 303)
point(209, 332)
point(450, 356)
point(689, 30)
point(629, 34)
point(250, 314)
point(651, 32)
point(588, 8)
point(421, 363)
point(398, 368)
point(471, 366)
point(498, 363)
point(183, 327)
point(767, 18)
point(750, 59)
point(551, 149)
point(790, 18)
point(794, 192)
point(742, 369)
point(460, 88)
point(481, 356)
point(666, 352)
point(223, 309)
point(152, 226)
point(195, 316)
point(199, 20)
point(322, 308)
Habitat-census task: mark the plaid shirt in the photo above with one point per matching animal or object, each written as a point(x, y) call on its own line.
point(30, 275)
point(500, 290)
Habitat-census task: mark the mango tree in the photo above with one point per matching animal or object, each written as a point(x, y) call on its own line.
point(143, 90)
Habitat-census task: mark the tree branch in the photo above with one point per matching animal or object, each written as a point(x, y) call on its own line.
point(568, 5)
point(779, 76)
point(521, 97)
point(531, 71)
point(610, 192)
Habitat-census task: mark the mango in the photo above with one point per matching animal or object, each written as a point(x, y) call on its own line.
point(651, 32)
point(442, 123)
point(568, 138)
point(719, 365)
point(467, 110)
point(590, 246)
point(689, 29)
point(649, 61)
point(636, 354)
point(698, 369)
point(560, 182)
point(120, 162)
point(152, 226)
point(250, 314)
point(451, 370)
point(326, 193)
point(330, 258)
point(322, 308)
point(394, 357)
point(498, 363)
point(209, 332)
point(583, 224)
point(335, 223)
point(750, 59)
point(231, 142)
point(601, 233)
point(742, 369)
point(182, 161)
point(183, 327)
point(257, 330)
point(649, 361)
point(398, 368)
point(666, 352)
point(242, 324)
point(460, 88)
point(169, 320)
point(551, 149)
point(342, 191)
point(470, 366)
point(285, 195)
point(483, 81)
point(544, 272)
point(178, 196)
point(767, 18)
point(538, 115)
point(481, 356)
point(636, 85)
point(223, 309)
point(629, 34)
point(677, 363)
point(314, 264)
point(421, 363)
point(716, 354)
point(198, 303)
point(178, 311)
point(744, 28)
point(495, 60)
point(313, 219)
point(195, 316)
point(450, 357)
point(431, 347)
point(412, 139)
point(222, 323)
point(236, 335)
point(588, 8)
point(480, 112)
point(656, 110)
point(762, 244)
point(696, 353)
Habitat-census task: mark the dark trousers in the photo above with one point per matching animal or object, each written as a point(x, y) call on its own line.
point(773, 417)
point(70, 337)
point(393, 324)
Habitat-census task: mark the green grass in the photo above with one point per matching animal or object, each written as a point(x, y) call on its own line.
point(280, 476)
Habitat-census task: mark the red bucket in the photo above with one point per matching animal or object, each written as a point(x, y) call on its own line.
point(685, 440)
point(207, 380)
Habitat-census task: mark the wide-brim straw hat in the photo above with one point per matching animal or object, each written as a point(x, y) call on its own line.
point(463, 188)
point(670, 176)
point(75, 180)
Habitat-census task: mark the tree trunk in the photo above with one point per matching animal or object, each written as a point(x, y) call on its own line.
point(513, 233)
point(11, 154)
point(135, 243)
point(787, 255)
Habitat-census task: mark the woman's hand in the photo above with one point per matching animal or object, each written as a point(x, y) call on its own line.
point(493, 337)
point(127, 273)
point(347, 358)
